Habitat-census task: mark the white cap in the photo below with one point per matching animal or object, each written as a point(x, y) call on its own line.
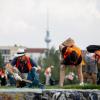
point(20, 52)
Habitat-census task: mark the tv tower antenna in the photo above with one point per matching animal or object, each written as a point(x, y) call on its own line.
point(47, 38)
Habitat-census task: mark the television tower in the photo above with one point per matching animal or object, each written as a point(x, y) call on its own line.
point(47, 38)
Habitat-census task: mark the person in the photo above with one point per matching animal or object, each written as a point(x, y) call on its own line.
point(91, 67)
point(97, 60)
point(48, 73)
point(10, 79)
point(24, 67)
point(97, 56)
point(71, 55)
point(3, 77)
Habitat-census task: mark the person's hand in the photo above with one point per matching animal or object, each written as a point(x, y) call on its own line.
point(38, 69)
point(17, 77)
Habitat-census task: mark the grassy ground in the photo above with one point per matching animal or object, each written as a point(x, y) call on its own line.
point(88, 86)
point(6, 87)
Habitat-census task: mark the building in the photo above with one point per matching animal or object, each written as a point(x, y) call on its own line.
point(8, 52)
point(35, 53)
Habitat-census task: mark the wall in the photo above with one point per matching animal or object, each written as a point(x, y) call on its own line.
point(37, 94)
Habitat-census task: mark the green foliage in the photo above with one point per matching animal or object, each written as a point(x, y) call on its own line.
point(51, 58)
point(42, 77)
point(1, 60)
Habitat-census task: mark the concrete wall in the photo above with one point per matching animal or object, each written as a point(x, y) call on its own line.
point(37, 94)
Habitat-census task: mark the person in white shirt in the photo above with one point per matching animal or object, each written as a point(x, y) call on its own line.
point(47, 74)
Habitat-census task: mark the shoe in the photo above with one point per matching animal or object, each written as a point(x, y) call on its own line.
point(82, 83)
point(41, 86)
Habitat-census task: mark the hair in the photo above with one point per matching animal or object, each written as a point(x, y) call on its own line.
point(69, 42)
point(64, 50)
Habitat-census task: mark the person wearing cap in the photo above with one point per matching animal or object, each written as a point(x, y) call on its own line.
point(26, 67)
point(70, 56)
point(47, 73)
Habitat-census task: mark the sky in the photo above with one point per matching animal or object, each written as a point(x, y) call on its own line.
point(24, 22)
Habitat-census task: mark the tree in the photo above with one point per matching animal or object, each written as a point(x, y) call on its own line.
point(1, 60)
point(52, 58)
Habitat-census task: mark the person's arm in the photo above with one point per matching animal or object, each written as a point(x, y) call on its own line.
point(9, 68)
point(13, 70)
point(33, 63)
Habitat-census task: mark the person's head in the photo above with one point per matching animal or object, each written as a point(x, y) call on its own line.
point(21, 55)
point(39, 69)
point(20, 52)
point(52, 66)
point(69, 42)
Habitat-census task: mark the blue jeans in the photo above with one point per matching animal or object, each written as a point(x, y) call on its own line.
point(34, 77)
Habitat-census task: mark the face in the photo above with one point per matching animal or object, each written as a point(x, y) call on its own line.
point(22, 59)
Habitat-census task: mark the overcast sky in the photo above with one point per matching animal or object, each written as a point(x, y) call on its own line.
point(24, 22)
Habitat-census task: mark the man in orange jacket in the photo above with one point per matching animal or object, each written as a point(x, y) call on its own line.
point(23, 66)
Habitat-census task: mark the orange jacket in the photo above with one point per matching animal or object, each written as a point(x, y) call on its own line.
point(70, 49)
point(27, 59)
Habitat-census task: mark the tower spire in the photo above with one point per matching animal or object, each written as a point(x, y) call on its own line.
point(47, 38)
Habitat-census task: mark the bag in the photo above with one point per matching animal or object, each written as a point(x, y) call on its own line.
point(93, 48)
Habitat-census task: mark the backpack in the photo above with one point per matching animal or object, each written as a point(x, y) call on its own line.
point(23, 64)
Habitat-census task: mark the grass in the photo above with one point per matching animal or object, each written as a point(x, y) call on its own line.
point(6, 87)
point(87, 86)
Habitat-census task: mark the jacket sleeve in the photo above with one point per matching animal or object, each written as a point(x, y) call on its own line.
point(13, 62)
point(33, 63)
